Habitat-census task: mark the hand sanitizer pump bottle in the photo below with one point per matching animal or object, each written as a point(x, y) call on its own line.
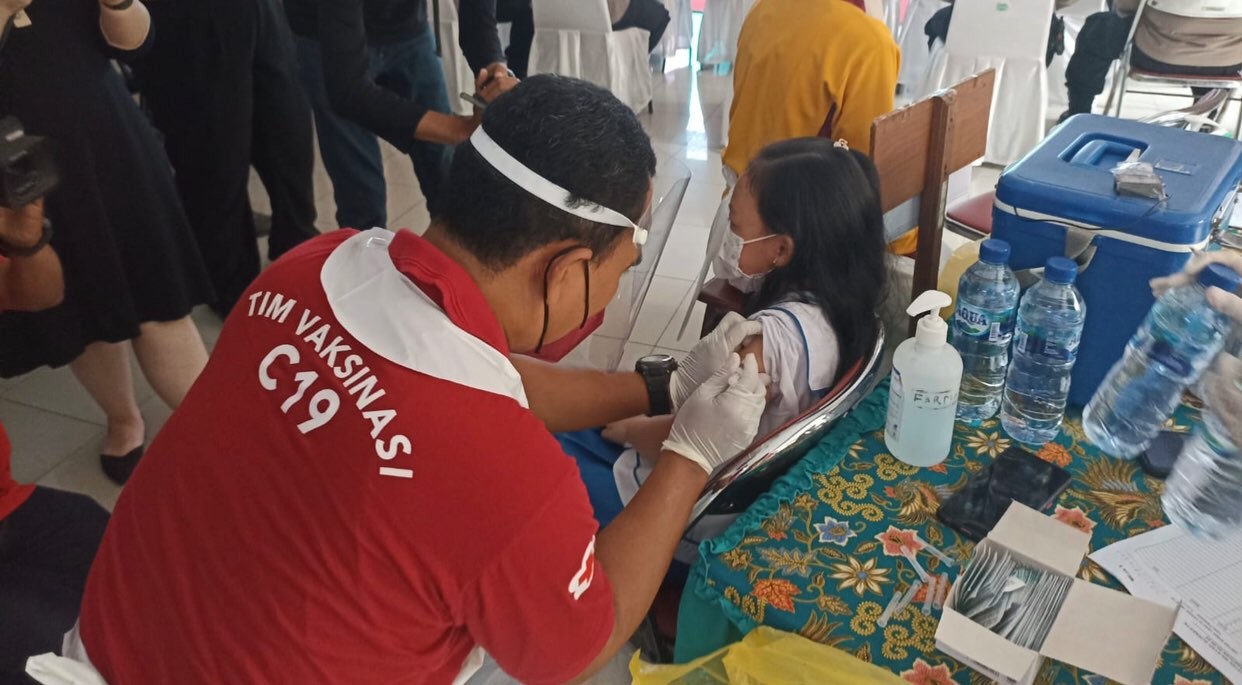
point(922, 401)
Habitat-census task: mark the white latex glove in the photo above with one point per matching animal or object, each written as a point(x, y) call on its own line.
point(1224, 394)
point(721, 418)
point(709, 355)
point(1228, 304)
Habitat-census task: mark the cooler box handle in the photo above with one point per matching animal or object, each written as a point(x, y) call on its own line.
point(1095, 150)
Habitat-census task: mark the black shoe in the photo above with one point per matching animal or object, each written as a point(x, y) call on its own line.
point(119, 469)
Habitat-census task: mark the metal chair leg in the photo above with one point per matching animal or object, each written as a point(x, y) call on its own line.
point(1121, 91)
point(1237, 127)
point(1112, 90)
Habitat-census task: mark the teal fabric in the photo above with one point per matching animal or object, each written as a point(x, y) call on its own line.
point(821, 553)
point(707, 621)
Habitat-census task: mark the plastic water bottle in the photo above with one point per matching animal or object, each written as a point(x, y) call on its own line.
point(987, 303)
point(1177, 341)
point(1204, 493)
point(1045, 347)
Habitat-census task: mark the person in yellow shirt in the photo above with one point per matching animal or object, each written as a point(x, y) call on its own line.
point(810, 68)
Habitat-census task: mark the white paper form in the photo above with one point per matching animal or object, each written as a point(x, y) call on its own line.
point(1169, 566)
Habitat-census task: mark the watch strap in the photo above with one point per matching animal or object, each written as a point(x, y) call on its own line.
point(7, 250)
point(659, 397)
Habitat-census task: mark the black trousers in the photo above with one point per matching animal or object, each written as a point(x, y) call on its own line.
point(46, 549)
point(1103, 40)
point(221, 82)
point(642, 14)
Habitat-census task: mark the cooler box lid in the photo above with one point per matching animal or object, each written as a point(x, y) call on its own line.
point(1069, 178)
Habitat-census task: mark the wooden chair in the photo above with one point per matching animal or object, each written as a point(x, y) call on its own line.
point(915, 149)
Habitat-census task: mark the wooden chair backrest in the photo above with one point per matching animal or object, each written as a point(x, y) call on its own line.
point(917, 147)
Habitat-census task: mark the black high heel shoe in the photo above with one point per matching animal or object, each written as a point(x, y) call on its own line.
point(119, 469)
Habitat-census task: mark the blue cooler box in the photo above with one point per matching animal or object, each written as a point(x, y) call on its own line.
point(1059, 200)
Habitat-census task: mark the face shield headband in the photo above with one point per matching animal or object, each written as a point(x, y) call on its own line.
point(526, 179)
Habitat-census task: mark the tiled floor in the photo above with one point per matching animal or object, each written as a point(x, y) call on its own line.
point(57, 430)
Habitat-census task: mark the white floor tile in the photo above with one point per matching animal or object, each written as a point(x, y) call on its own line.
point(701, 202)
point(43, 439)
point(399, 170)
point(416, 219)
point(57, 390)
point(662, 300)
point(633, 352)
point(208, 323)
point(684, 252)
point(81, 473)
point(259, 201)
point(675, 354)
point(670, 338)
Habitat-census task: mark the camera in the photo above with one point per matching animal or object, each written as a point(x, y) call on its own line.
point(27, 166)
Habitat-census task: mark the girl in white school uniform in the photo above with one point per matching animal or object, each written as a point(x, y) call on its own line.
point(806, 245)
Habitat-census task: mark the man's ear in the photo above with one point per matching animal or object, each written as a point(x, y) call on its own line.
point(784, 249)
point(565, 268)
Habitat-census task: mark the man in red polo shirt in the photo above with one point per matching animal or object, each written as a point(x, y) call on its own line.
point(362, 486)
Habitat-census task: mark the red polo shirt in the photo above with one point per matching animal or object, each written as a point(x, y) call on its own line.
point(12, 493)
point(272, 537)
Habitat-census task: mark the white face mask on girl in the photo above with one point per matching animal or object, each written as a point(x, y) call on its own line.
point(726, 263)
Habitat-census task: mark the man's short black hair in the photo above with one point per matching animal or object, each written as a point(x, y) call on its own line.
point(573, 133)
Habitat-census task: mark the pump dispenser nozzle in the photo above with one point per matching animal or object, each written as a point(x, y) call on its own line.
point(932, 331)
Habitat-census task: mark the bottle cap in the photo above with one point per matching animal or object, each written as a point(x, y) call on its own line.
point(1219, 276)
point(1060, 270)
point(932, 331)
point(994, 251)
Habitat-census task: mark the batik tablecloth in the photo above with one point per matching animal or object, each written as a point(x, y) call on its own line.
point(820, 554)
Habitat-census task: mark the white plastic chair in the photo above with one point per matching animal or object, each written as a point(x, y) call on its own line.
point(1011, 37)
point(575, 38)
point(457, 76)
point(915, 56)
point(1123, 73)
point(680, 28)
point(722, 22)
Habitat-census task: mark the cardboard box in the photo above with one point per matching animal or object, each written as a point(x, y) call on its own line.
point(1103, 631)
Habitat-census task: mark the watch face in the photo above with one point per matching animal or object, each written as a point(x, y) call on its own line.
point(657, 363)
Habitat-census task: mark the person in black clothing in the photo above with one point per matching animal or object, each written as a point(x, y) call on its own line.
point(626, 14)
point(221, 83)
point(371, 68)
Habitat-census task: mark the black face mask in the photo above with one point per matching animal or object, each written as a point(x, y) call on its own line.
point(586, 302)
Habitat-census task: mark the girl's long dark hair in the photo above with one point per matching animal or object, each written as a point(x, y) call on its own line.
point(828, 200)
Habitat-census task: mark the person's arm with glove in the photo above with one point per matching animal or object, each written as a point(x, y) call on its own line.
point(1224, 384)
point(577, 399)
point(714, 423)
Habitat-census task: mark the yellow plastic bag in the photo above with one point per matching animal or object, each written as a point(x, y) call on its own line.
point(767, 656)
point(962, 259)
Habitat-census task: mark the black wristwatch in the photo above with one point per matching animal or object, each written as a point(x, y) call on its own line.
point(657, 370)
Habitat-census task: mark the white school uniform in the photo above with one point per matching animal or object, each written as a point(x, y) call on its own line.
point(801, 354)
